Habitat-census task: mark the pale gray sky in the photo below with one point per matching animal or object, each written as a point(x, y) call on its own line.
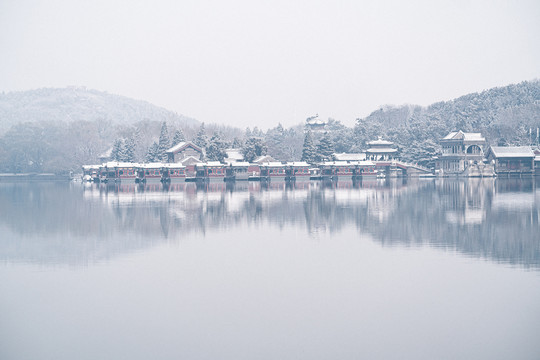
point(247, 63)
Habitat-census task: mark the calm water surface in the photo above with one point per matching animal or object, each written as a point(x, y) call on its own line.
point(418, 269)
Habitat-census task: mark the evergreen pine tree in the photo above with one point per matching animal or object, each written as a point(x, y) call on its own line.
point(164, 143)
point(130, 150)
point(117, 153)
point(216, 148)
point(237, 143)
point(153, 154)
point(309, 151)
point(325, 149)
point(139, 147)
point(178, 137)
point(253, 148)
point(201, 140)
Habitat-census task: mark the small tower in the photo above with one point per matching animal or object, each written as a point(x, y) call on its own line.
point(381, 150)
point(315, 124)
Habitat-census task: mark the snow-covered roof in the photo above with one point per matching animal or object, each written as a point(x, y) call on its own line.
point(366, 163)
point(460, 135)
point(90, 167)
point(350, 157)
point(190, 160)
point(298, 164)
point(237, 163)
point(512, 151)
point(151, 166)
point(182, 145)
point(381, 150)
point(234, 154)
point(213, 163)
point(264, 158)
point(210, 164)
point(348, 163)
point(272, 164)
point(314, 120)
point(173, 165)
point(112, 164)
point(380, 141)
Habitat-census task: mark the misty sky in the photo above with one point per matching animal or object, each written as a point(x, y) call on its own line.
point(247, 63)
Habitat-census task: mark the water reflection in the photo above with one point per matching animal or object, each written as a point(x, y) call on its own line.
point(84, 223)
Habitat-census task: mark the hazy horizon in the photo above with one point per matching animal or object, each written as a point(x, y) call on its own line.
point(244, 64)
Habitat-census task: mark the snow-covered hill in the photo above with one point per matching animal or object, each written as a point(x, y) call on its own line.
point(78, 103)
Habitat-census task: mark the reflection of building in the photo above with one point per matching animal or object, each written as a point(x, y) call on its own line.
point(467, 201)
point(463, 155)
point(183, 150)
point(508, 160)
point(381, 150)
point(537, 161)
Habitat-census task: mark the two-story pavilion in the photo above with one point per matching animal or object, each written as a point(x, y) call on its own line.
point(381, 150)
point(459, 150)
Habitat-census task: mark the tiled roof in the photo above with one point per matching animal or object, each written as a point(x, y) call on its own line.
point(380, 141)
point(264, 158)
point(111, 164)
point(182, 145)
point(512, 151)
point(350, 157)
point(381, 150)
point(456, 135)
point(151, 166)
point(298, 163)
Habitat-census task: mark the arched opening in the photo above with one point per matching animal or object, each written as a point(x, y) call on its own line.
point(474, 149)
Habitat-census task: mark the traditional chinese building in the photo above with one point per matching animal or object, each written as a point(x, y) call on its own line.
point(315, 124)
point(460, 150)
point(381, 150)
point(264, 159)
point(184, 150)
point(512, 160)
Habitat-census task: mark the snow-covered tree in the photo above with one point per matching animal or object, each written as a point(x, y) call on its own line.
point(325, 149)
point(129, 153)
point(153, 154)
point(253, 148)
point(164, 143)
point(118, 150)
point(178, 137)
point(215, 150)
point(309, 151)
point(201, 140)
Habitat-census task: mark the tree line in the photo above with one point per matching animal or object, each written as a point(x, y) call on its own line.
point(505, 116)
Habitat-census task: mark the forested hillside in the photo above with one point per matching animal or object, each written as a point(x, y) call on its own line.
point(58, 130)
point(506, 115)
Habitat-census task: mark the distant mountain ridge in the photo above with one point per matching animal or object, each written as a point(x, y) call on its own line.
point(78, 103)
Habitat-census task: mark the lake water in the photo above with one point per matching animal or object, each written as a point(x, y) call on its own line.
point(398, 269)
